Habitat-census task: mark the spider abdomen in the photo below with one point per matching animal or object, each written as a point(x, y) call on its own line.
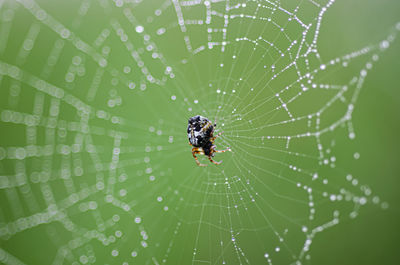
point(200, 131)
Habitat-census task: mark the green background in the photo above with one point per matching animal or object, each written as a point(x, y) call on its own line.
point(94, 161)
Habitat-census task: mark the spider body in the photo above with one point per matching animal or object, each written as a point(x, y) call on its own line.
point(201, 136)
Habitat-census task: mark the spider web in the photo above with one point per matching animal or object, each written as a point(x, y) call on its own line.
point(94, 158)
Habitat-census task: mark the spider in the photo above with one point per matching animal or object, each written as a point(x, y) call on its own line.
point(200, 133)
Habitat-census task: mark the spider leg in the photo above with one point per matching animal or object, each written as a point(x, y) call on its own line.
point(215, 162)
point(196, 150)
point(222, 151)
point(215, 137)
